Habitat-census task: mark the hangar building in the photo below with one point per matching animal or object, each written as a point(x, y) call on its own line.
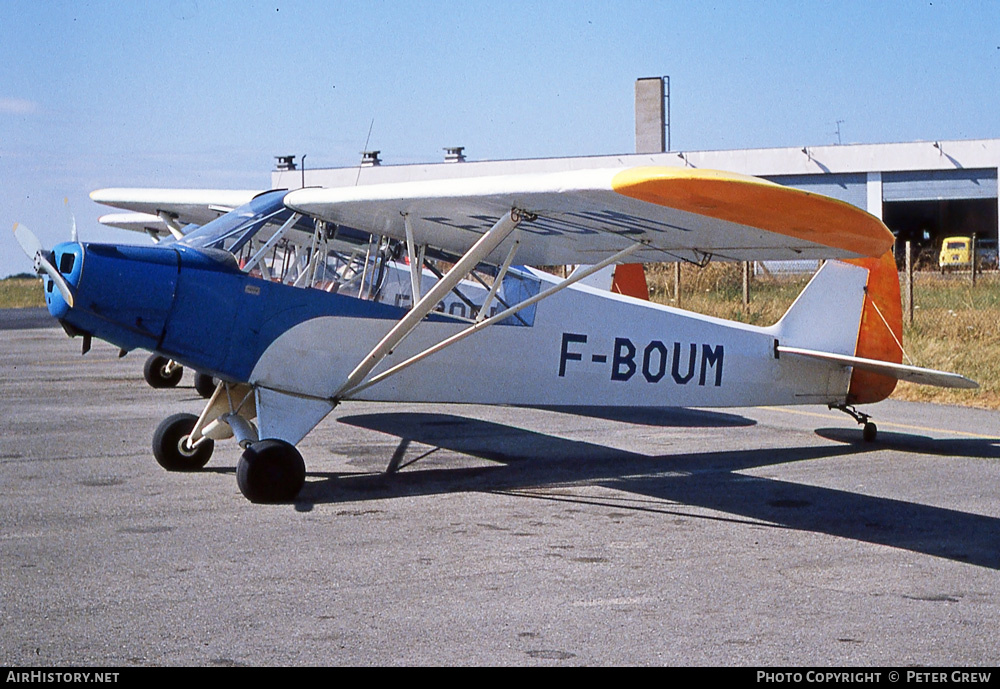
point(922, 190)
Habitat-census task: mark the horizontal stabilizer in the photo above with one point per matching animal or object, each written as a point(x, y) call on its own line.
point(912, 374)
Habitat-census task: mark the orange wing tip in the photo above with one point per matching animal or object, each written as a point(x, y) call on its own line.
point(758, 203)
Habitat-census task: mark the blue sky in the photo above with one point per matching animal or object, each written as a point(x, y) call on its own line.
point(194, 93)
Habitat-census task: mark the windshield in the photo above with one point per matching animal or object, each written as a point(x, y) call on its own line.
point(233, 230)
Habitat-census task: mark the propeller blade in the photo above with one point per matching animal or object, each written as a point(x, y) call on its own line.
point(44, 264)
point(28, 241)
point(37, 253)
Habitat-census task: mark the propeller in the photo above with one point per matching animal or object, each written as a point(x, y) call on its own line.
point(42, 259)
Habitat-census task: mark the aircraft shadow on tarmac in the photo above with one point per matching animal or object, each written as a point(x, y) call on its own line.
point(528, 459)
point(984, 448)
point(674, 417)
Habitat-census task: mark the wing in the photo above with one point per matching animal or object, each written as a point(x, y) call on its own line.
point(182, 206)
point(582, 216)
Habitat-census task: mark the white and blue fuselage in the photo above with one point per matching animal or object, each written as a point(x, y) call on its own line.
point(580, 347)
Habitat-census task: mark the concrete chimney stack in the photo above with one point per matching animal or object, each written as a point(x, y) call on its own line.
point(650, 116)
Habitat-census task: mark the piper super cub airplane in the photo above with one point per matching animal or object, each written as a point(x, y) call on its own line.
point(232, 299)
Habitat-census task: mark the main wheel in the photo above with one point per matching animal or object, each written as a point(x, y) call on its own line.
point(270, 471)
point(204, 384)
point(170, 444)
point(158, 376)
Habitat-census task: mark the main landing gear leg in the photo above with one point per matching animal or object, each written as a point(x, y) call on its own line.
point(869, 431)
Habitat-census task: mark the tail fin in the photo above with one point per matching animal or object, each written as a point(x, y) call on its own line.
point(630, 280)
point(625, 278)
point(825, 316)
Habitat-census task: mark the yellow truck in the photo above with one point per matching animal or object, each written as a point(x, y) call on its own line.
point(956, 252)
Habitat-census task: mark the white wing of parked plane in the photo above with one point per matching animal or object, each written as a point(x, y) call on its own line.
point(583, 216)
point(147, 223)
point(172, 206)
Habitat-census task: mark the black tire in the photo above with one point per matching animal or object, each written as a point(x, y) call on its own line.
point(155, 372)
point(270, 471)
point(869, 432)
point(204, 384)
point(169, 450)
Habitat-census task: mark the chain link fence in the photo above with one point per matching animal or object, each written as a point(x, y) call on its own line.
point(951, 312)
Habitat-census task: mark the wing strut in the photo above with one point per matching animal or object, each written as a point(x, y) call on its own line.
point(171, 222)
point(482, 248)
point(576, 277)
point(275, 238)
point(368, 256)
point(416, 256)
point(498, 281)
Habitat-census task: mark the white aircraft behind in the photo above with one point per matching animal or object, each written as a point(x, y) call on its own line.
point(237, 299)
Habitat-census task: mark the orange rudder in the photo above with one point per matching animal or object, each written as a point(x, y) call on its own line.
point(630, 280)
point(880, 334)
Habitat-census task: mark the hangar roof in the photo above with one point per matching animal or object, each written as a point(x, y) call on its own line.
point(764, 162)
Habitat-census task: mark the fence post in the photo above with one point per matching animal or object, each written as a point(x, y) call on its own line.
point(909, 284)
point(973, 251)
point(746, 283)
point(677, 284)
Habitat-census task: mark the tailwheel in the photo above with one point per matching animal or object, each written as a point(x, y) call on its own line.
point(270, 471)
point(171, 444)
point(161, 372)
point(869, 431)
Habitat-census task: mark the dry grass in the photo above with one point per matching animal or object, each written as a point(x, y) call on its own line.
point(18, 293)
point(956, 327)
point(717, 290)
